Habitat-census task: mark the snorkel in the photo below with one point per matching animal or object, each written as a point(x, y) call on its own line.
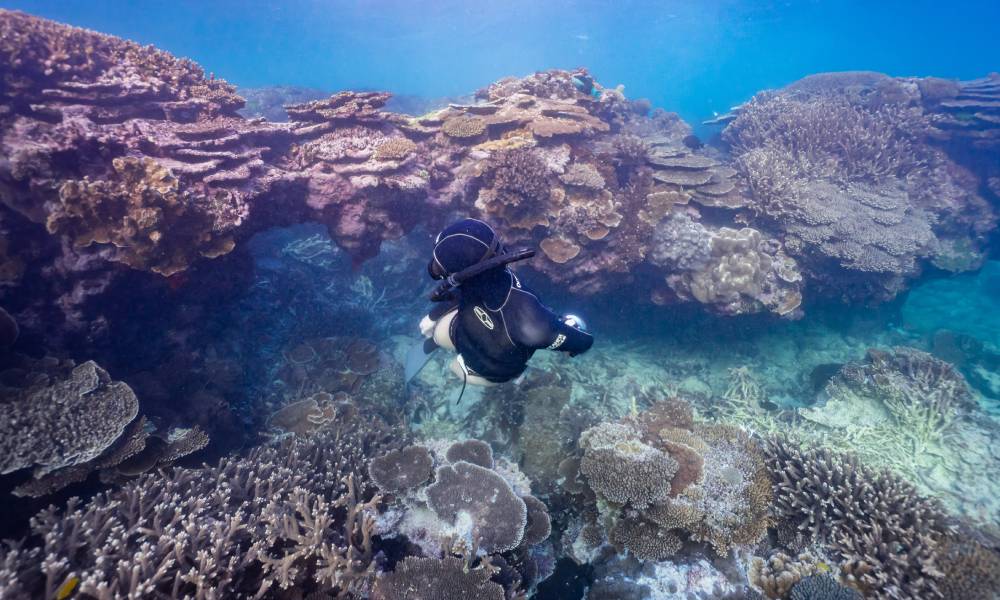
point(454, 280)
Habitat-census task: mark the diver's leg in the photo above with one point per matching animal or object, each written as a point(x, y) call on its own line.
point(442, 331)
point(471, 379)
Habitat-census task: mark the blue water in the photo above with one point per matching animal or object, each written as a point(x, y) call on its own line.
point(690, 57)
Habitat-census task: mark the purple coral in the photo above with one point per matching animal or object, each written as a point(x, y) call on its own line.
point(467, 491)
point(441, 579)
point(400, 470)
point(64, 419)
point(476, 452)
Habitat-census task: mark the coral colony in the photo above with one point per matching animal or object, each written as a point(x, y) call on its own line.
point(294, 465)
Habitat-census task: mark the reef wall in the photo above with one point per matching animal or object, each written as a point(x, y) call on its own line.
point(119, 158)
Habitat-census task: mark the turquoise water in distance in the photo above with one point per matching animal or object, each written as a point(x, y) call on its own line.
point(691, 57)
point(968, 304)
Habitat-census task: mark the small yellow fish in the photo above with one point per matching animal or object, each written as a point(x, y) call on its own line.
point(822, 567)
point(66, 589)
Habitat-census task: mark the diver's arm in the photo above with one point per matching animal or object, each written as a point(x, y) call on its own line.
point(571, 339)
point(535, 326)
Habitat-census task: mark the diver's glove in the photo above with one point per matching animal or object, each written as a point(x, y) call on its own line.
point(578, 339)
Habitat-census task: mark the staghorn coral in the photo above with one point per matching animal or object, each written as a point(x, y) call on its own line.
point(296, 515)
point(910, 399)
point(885, 533)
point(443, 579)
point(400, 470)
point(467, 495)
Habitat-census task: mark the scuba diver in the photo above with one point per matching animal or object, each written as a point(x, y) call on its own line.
point(485, 314)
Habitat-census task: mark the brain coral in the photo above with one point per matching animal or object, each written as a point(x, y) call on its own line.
point(470, 495)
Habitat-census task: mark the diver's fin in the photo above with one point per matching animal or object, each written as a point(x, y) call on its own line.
point(417, 357)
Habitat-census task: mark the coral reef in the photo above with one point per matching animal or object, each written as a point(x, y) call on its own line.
point(293, 515)
point(971, 571)
point(822, 587)
point(446, 579)
point(885, 534)
point(717, 492)
point(844, 185)
point(623, 470)
point(846, 166)
point(401, 470)
point(468, 508)
point(66, 421)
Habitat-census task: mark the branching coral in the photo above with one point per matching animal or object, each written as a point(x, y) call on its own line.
point(292, 515)
point(884, 532)
point(906, 401)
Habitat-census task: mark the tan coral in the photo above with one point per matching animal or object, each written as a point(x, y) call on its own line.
point(559, 249)
point(144, 214)
point(464, 128)
point(396, 148)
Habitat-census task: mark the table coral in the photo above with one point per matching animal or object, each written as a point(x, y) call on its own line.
point(64, 419)
point(444, 579)
point(465, 490)
point(402, 469)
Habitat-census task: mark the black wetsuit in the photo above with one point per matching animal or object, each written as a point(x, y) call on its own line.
point(500, 324)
